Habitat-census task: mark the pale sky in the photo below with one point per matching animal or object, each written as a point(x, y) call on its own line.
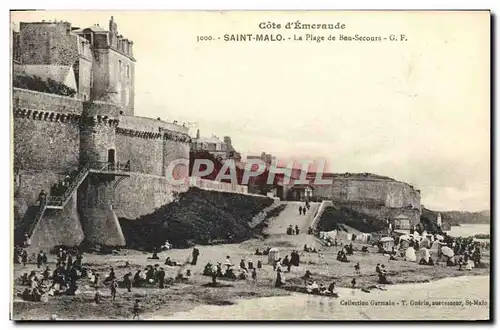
point(417, 111)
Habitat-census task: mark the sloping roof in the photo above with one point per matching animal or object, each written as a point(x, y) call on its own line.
point(208, 140)
point(58, 73)
point(95, 28)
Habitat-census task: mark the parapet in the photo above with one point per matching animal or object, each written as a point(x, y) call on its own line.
point(150, 125)
point(27, 99)
point(102, 109)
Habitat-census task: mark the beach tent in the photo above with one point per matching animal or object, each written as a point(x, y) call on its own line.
point(274, 254)
point(423, 253)
point(387, 243)
point(425, 243)
point(446, 251)
point(342, 236)
point(410, 254)
point(363, 238)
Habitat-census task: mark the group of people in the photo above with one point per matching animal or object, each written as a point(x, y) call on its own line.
point(304, 208)
point(292, 231)
point(63, 280)
point(229, 271)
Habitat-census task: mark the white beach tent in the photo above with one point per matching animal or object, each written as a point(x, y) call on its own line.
point(410, 254)
point(274, 254)
point(387, 243)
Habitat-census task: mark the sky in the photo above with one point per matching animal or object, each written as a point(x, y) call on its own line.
point(417, 111)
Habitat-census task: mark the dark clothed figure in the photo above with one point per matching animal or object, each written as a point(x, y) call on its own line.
point(161, 278)
point(127, 282)
point(296, 229)
point(196, 253)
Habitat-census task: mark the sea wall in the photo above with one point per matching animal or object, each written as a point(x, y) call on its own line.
point(142, 194)
point(389, 193)
point(47, 140)
point(382, 212)
point(58, 227)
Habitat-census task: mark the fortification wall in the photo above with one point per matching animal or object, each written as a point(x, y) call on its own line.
point(145, 154)
point(46, 140)
point(27, 186)
point(58, 227)
point(142, 194)
point(26, 99)
point(149, 125)
point(150, 147)
point(392, 194)
point(175, 150)
point(382, 212)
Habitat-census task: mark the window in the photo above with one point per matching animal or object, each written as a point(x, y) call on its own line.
point(119, 66)
point(128, 71)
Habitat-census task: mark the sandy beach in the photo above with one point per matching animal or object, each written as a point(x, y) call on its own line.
point(181, 297)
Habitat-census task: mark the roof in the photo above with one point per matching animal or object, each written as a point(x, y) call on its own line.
point(208, 140)
point(95, 28)
point(402, 216)
point(58, 73)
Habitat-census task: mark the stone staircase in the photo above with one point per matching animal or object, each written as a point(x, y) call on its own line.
point(29, 222)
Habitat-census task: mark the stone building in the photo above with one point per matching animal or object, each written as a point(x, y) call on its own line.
point(102, 60)
point(110, 163)
point(222, 149)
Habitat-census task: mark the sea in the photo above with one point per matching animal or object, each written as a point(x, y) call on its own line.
point(469, 230)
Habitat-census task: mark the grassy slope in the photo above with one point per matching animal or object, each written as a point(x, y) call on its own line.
point(199, 216)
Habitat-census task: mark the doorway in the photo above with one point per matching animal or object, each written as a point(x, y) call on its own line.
point(111, 156)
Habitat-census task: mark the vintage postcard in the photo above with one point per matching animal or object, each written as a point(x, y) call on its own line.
point(251, 165)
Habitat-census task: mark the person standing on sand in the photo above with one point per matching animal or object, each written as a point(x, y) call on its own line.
point(113, 289)
point(353, 283)
point(296, 230)
point(136, 309)
point(300, 209)
point(254, 275)
point(279, 281)
point(161, 278)
point(196, 253)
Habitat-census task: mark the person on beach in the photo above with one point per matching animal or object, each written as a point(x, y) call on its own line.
point(377, 269)
point(331, 287)
point(196, 253)
point(113, 287)
point(279, 281)
point(128, 282)
point(136, 309)
point(300, 209)
point(161, 278)
point(357, 268)
point(353, 283)
point(296, 230)
point(254, 275)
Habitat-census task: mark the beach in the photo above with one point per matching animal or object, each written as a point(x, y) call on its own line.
point(183, 297)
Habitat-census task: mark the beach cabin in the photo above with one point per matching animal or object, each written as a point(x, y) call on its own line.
point(386, 244)
point(274, 254)
point(401, 222)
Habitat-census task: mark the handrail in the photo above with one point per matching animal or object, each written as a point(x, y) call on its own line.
point(109, 167)
point(38, 217)
point(62, 200)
